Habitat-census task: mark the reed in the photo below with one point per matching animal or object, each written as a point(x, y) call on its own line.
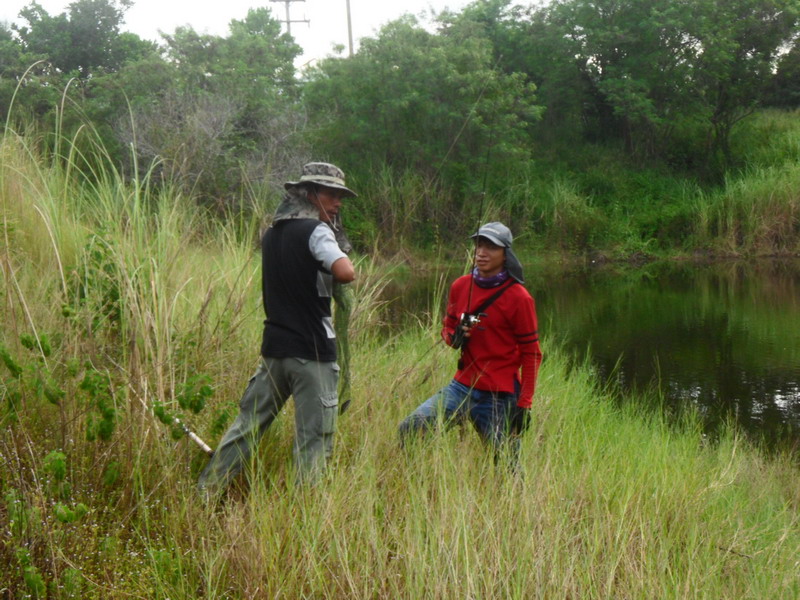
point(98, 498)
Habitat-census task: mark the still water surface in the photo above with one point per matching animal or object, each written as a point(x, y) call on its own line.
point(723, 337)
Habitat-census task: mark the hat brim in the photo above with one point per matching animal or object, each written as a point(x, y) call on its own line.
point(348, 192)
point(492, 238)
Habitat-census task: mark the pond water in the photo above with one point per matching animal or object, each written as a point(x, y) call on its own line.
point(722, 337)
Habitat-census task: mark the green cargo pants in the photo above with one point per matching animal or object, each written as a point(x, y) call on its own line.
point(313, 386)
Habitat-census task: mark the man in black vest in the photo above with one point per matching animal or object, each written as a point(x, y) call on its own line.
point(301, 260)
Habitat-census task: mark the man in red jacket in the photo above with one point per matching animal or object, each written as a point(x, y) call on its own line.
point(491, 319)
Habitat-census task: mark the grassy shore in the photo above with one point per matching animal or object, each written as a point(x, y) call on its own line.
point(121, 306)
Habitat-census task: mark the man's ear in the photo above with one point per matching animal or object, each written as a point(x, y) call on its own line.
point(311, 195)
point(309, 190)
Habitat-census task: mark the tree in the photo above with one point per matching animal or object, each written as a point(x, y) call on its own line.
point(633, 60)
point(254, 60)
point(25, 78)
point(10, 68)
point(84, 39)
point(738, 46)
point(415, 100)
point(497, 21)
point(225, 111)
point(650, 73)
point(785, 89)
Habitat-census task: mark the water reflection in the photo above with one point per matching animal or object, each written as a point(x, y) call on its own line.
point(722, 337)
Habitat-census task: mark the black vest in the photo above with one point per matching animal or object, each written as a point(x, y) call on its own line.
point(297, 294)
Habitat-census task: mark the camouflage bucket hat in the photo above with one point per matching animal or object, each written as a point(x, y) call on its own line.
point(499, 234)
point(322, 174)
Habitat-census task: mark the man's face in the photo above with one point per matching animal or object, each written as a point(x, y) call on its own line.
point(328, 201)
point(489, 257)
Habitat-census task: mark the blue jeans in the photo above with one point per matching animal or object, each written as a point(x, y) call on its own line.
point(489, 413)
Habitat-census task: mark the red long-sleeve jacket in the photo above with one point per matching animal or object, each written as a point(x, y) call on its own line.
point(503, 344)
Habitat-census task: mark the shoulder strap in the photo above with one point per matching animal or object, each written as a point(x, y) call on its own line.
point(490, 300)
point(484, 305)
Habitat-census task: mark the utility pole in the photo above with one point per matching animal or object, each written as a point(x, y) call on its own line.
point(289, 20)
point(349, 29)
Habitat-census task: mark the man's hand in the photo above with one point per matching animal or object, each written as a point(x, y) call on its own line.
point(520, 420)
point(457, 339)
point(460, 336)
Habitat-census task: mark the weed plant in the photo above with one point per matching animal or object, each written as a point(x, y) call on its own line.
point(123, 306)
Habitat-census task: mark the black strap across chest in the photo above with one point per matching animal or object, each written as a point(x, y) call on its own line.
point(490, 300)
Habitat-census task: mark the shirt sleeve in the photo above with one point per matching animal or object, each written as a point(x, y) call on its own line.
point(324, 247)
point(527, 336)
point(450, 320)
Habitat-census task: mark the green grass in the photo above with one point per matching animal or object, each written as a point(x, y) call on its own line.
point(114, 298)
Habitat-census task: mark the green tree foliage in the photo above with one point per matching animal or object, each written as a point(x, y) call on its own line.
point(632, 59)
point(212, 112)
point(82, 40)
point(14, 61)
point(504, 25)
point(69, 51)
point(29, 86)
point(785, 90)
point(641, 72)
point(254, 64)
point(739, 45)
point(218, 110)
point(476, 99)
point(109, 100)
point(433, 103)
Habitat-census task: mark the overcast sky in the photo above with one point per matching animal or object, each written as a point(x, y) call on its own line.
point(327, 18)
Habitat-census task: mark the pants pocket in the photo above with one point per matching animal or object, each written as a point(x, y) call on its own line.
point(330, 408)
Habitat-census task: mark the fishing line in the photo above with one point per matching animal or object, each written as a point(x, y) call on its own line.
point(472, 110)
point(477, 227)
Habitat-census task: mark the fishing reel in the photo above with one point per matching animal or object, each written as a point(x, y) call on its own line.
point(469, 320)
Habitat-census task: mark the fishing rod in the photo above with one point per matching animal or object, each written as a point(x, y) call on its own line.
point(480, 216)
point(467, 317)
point(193, 436)
point(176, 421)
point(472, 110)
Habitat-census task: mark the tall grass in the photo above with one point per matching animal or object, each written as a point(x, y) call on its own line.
point(758, 213)
point(757, 210)
point(98, 499)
